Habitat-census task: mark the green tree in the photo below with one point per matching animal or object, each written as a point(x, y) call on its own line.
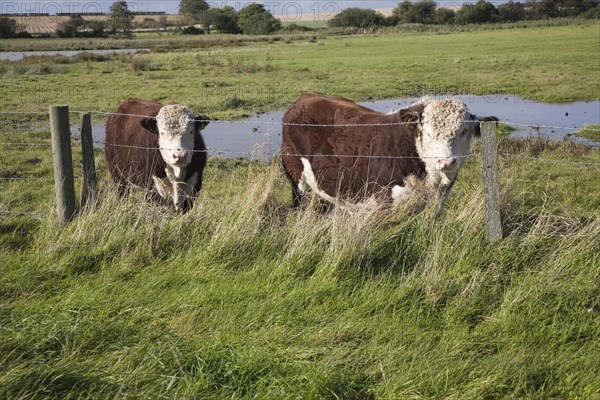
point(563, 8)
point(72, 27)
point(481, 12)
point(76, 26)
point(96, 27)
point(193, 10)
point(592, 13)
point(402, 10)
point(8, 27)
point(255, 20)
point(224, 19)
point(120, 18)
point(547, 9)
point(444, 16)
point(248, 11)
point(357, 18)
point(511, 12)
point(422, 12)
point(572, 8)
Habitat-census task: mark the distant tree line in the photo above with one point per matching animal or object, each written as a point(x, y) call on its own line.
point(119, 22)
point(482, 12)
point(253, 19)
point(10, 29)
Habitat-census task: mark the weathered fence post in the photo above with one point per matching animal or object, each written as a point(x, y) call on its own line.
point(63, 162)
point(88, 188)
point(491, 183)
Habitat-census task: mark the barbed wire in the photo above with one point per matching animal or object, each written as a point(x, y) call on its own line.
point(22, 213)
point(286, 154)
point(256, 122)
point(257, 153)
point(281, 123)
point(265, 154)
point(552, 161)
point(25, 113)
point(590, 128)
point(37, 144)
point(4, 178)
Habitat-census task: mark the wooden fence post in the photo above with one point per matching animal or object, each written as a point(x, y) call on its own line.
point(89, 189)
point(63, 162)
point(491, 183)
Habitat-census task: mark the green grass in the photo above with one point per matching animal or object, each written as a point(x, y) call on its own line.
point(536, 63)
point(591, 132)
point(244, 297)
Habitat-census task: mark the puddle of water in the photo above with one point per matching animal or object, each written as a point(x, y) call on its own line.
point(257, 141)
point(259, 137)
point(19, 55)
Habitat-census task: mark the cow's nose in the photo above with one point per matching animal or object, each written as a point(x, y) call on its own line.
point(446, 163)
point(179, 156)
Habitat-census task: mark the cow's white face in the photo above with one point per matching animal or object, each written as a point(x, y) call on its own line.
point(444, 138)
point(176, 128)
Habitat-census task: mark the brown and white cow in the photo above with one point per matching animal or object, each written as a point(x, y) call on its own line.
point(157, 148)
point(342, 150)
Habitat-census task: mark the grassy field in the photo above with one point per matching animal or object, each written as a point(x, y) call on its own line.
point(233, 78)
point(244, 297)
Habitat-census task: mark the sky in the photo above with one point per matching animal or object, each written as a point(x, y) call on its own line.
point(276, 7)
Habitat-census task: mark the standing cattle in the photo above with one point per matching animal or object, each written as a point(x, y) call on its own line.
point(157, 148)
point(339, 149)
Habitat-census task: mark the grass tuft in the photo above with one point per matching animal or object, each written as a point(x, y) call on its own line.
point(591, 132)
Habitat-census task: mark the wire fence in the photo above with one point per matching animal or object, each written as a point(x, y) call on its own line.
point(569, 130)
point(572, 129)
point(11, 174)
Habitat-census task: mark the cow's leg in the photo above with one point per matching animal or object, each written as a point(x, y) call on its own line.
point(163, 187)
point(298, 197)
point(187, 192)
point(122, 187)
point(325, 206)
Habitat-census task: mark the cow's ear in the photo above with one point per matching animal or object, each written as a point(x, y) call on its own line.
point(149, 124)
point(200, 122)
point(480, 120)
point(410, 117)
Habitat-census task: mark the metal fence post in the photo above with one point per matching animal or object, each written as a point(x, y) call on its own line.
point(491, 183)
point(63, 162)
point(89, 189)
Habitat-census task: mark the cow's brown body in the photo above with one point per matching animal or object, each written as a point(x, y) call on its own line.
point(349, 161)
point(132, 152)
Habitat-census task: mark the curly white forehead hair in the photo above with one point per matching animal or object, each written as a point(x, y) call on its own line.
point(445, 115)
point(174, 119)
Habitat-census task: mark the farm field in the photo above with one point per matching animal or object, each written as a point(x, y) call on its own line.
point(50, 23)
point(244, 297)
point(230, 78)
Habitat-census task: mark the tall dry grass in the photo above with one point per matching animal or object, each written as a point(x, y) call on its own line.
point(246, 297)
